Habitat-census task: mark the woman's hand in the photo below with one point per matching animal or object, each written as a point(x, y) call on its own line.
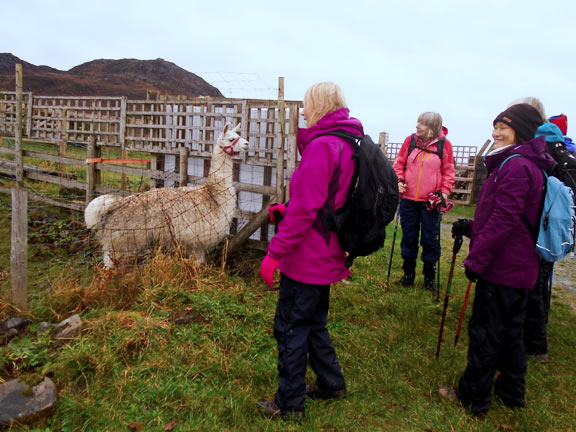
point(402, 187)
point(267, 269)
point(442, 197)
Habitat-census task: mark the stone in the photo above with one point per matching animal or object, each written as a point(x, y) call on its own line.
point(188, 316)
point(67, 329)
point(15, 323)
point(10, 328)
point(22, 403)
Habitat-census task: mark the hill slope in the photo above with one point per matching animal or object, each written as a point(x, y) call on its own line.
point(127, 77)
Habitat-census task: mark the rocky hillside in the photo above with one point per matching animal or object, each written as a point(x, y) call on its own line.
point(127, 77)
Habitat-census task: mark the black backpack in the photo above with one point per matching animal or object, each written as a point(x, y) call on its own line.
point(565, 168)
point(371, 203)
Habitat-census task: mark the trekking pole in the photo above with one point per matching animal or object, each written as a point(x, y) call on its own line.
point(393, 243)
point(439, 256)
point(457, 244)
point(462, 314)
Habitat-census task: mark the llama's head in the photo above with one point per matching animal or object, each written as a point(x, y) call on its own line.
point(230, 142)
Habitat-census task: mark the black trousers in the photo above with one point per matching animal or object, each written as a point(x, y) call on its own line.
point(496, 344)
point(535, 334)
point(301, 333)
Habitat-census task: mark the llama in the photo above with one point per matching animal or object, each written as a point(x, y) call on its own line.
point(194, 217)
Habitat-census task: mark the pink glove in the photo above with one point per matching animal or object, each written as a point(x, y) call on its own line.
point(267, 269)
point(276, 208)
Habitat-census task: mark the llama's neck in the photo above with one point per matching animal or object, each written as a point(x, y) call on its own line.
point(220, 168)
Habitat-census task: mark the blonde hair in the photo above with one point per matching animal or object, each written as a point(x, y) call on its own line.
point(320, 99)
point(433, 121)
point(535, 102)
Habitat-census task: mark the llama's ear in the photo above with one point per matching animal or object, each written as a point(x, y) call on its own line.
point(237, 128)
point(226, 127)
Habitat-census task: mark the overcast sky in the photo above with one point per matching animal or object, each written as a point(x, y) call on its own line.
point(393, 59)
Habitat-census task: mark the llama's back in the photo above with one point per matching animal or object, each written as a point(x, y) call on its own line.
point(196, 217)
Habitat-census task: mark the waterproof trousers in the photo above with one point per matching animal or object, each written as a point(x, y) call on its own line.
point(496, 344)
point(301, 333)
point(535, 334)
point(416, 222)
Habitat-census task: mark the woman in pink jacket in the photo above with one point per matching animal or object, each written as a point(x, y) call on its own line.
point(309, 256)
point(424, 165)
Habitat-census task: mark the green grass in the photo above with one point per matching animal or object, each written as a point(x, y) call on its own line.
point(133, 369)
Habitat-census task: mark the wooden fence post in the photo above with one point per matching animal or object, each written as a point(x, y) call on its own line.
point(183, 166)
point(19, 248)
point(92, 172)
point(29, 113)
point(63, 135)
point(280, 136)
point(122, 137)
point(19, 162)
point(383, 142)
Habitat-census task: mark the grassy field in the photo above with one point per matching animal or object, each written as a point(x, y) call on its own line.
point(134, 369)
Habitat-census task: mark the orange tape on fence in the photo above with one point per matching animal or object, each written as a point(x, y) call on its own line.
point(98, 160)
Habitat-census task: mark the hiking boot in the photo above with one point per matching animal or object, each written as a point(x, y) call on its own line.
point(429, 276)
point(409, 267)
point(448, 393)
point(270, 409)
point(315, 392)
point(542, 358)
point(451, 395)
point(407, 280)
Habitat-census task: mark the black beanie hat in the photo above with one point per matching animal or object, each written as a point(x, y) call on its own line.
point(523, 118)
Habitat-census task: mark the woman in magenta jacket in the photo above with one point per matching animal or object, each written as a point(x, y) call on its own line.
point(420, 172)
point(309, 256)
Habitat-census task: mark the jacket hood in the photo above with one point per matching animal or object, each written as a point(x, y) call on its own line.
point(535, 150)
point(332, 121)
point(552, 133)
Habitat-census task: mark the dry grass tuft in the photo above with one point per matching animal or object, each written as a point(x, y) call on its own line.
point(121, 288)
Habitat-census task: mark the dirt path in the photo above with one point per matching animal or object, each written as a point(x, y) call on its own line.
point(564, 281)
point(564, 278)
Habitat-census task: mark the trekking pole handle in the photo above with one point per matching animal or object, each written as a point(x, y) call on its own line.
point(457, 244)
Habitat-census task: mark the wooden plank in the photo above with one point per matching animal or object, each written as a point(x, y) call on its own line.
point(72, 205)
point(19, 248)
point(280, 142)
point(55, 180)
point(91, 174)
point(63, 160)
point(183, 166)
point(247, 230)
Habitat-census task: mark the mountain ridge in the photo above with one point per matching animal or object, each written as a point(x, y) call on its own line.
point(133, 78)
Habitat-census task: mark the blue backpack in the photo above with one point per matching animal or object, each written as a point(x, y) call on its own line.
point(555, 233)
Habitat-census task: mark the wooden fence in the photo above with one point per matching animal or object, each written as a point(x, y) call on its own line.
point(177, 137)
point(170, 132)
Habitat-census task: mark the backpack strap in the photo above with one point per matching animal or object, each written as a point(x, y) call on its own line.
point(354, 141)
point(439, 152)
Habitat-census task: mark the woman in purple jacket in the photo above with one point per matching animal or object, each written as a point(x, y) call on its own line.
point(503, 260)
point(309, 256)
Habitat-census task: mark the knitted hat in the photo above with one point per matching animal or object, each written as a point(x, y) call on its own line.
point(561, 121)
point(552, 133)
point(523, 118)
